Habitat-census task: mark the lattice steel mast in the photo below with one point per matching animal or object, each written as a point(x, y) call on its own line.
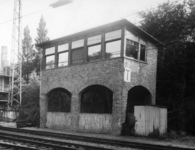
point(16, 57)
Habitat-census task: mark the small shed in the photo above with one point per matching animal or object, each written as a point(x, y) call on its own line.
point(150, 121)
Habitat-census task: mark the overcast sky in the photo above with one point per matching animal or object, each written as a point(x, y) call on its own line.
point(71, 18)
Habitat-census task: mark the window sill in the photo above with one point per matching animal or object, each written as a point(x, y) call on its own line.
point(85, 113)
point(139, 61)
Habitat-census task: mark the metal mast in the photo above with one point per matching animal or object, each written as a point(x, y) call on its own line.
point(16, 58)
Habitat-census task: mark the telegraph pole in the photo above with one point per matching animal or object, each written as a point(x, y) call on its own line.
point(16, 58)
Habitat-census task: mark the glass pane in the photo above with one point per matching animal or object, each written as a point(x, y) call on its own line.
point(63, 47)
point(63, 59)
point(77, 44)
point(6, 84)
point(94, 40)
point(143, 53)
point(1, 84)
point(94, 52)
point(113, 35)
point(50, 60)
point(50, 50)
point(78, 56)
point(132, 49)
point(113, 49)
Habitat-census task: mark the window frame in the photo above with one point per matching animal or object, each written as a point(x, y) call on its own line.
point(74, 49)
point(94, 44)
point(61, 52)
point(47, 55)
point(113, 40)
point(110, 41)
point(138, 53)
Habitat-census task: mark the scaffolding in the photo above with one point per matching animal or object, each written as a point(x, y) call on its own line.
point(16, 58)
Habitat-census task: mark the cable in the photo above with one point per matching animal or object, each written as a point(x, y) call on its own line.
point(24, 16)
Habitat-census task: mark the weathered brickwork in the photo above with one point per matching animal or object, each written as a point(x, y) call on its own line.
point(109, 73)
point(134, 65)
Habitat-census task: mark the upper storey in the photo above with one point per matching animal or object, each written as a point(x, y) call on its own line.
point(118, 39)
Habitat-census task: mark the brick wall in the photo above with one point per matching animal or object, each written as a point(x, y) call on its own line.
point(109, 73)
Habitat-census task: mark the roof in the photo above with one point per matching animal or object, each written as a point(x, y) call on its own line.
point(124, 22)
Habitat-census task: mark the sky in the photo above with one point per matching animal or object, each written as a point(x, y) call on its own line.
point(68, 19)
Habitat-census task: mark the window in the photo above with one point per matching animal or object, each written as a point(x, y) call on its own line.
point(94, 52)
point(50, 50)
point(78, 53)
point(94, 48)
point(77, 44)
point(94, 40)
point(132, 49)
point(78, 56)
point(63, 59)
point(50, 58)
point(6, 84)
point(113, 49)
point(113, 35)
point(63, 47)
point(59, 100)
point(96, 99)
point(135, 50)
point(143, 53)
point(113, 44)
point(63, 55)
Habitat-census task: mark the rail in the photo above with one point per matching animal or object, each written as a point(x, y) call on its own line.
point(36, 142)
point(97, 140)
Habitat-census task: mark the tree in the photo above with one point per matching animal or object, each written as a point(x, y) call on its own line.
point(28, 55)
point(173, 24)
point(29, 110)
point(41, 37)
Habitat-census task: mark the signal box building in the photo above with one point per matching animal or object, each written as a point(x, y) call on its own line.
point(92, 80)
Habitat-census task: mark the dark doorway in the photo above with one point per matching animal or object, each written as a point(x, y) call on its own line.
point(137, 96)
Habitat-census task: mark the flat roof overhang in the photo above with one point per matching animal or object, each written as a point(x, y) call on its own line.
point(105, 27)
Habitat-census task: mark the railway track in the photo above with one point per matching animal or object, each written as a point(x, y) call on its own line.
point(19, 142)
point(96, 140)
point(13, 146)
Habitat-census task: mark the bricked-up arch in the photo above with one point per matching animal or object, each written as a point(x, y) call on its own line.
point(96, 99)
point(138, 95)
point(59, 100)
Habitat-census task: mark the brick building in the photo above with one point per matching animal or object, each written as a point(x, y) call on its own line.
point(92, 80)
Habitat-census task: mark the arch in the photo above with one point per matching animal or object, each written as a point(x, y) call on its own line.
point(59, 100)
point(138, 95)
point(96, 99)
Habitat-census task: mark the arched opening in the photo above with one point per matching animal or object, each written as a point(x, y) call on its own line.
point(96, 99)
point(59, 100)
point(137, 96)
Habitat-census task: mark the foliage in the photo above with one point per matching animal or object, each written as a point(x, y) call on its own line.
point(29, 110)
point(28, 55)
point(41, 37)
point(173, 24)
point(27, 47)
